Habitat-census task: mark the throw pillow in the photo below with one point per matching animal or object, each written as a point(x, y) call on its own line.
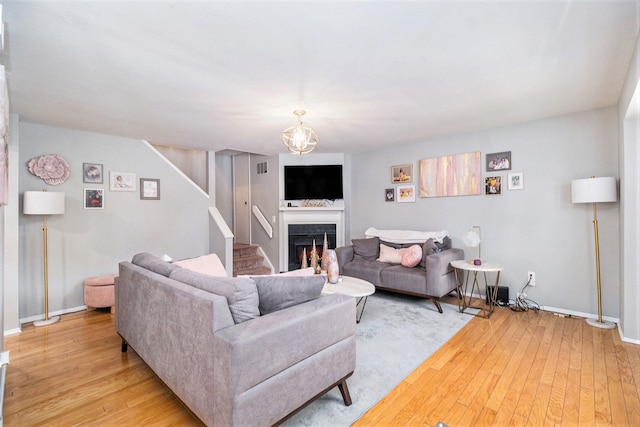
point(365, 249)
point(278, 292)
point(206, 264)
point(241, 293)
point(391, 255)
point(412, 256)
point(153, 263)
point(430, 247)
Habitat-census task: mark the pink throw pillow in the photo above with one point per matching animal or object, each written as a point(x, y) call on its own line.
point(390, 255)
point(412, 256)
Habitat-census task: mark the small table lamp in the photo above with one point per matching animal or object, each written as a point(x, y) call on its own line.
point(595, 190)
point(472, 239)
point(44, 203)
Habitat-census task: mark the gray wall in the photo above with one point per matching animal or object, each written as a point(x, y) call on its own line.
point(84, 243)
point(534, 229)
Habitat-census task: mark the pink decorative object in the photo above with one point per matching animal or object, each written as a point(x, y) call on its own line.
point(333, 270)
point(477, 262)
point(51, 168)
point(412, 256)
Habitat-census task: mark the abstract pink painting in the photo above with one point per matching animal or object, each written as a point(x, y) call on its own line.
point(457, 175)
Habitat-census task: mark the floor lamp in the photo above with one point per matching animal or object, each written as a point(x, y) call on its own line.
point(595, 190)
point(44, 203)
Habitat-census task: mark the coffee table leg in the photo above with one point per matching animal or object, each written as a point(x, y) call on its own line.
point(364, 302)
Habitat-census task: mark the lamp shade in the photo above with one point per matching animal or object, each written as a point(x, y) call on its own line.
point(471, 239)
point(594, 190)
point(43, 203)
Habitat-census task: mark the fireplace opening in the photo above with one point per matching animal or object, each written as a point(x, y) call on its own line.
point(301, 237)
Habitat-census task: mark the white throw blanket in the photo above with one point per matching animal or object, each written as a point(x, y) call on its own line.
point(406, 236)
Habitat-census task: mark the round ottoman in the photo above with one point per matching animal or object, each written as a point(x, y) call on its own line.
point(99, 291)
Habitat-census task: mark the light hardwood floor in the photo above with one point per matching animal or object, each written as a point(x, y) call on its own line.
point(513, 369)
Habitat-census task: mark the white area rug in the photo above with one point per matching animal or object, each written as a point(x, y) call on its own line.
point(396, 334)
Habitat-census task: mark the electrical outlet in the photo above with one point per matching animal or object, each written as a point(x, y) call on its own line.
point(531, 276)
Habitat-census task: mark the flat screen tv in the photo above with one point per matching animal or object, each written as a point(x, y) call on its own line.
point(313, 182)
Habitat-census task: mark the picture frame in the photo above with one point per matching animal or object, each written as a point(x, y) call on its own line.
point(493, 185)
point(402, 174)
point(149, 189)
point(390, 195)
point(92, 173)
point(498, 161)
point(122, 181)
point(515, 181)
point(94, 198)
point(406, 193)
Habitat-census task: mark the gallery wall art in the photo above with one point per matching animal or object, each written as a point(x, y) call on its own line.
point(455, 175)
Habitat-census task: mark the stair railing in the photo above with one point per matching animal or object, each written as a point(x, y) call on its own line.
point(263, 221)
point(221, 239)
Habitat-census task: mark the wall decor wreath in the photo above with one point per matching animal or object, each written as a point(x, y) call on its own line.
point(51, 168)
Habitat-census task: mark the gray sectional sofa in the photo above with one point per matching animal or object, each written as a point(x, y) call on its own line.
point(432, 278)
point(237, 351)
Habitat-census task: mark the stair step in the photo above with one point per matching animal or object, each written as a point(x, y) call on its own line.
point(247, 262)
point(241, 250)
point(253, 271)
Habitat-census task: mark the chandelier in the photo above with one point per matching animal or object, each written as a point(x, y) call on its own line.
point(300, 139)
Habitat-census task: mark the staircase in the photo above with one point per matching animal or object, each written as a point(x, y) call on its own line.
point(246, 260)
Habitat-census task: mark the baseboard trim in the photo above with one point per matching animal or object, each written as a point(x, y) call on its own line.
point(53, 313)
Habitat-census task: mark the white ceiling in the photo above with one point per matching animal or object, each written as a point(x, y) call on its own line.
point(220, 75)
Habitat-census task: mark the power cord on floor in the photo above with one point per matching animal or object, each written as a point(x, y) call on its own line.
point(522, 303)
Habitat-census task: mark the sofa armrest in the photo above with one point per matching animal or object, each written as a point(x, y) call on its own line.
point(253, 351)
point(344, 255)
point(439, 264)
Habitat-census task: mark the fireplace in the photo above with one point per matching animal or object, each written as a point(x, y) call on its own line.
point(301, 237)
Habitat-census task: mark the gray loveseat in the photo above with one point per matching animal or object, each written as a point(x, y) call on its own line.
point(237, 351)
point(432, 278)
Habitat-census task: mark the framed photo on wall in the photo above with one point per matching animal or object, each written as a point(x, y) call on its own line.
point(515, 181)
point(94, 198)
point(406, 193)
point(149, 189)
point(92, 173)
point(402, 174)
point(493, 185)
point(499, 161)
point(390, 195)
point(122, 181)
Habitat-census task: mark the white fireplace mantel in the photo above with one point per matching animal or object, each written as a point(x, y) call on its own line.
point(325, 215)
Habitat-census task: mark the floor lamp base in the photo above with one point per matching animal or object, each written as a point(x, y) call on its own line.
point(49, 321)
point(603, 325)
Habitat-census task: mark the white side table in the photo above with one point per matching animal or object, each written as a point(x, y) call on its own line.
point(486, 309)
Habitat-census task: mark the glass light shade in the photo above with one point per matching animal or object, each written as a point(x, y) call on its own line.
point(471, 239)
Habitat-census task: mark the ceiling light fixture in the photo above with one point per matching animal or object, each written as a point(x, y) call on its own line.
point(300, 139)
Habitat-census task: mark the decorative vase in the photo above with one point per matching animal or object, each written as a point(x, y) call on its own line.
point(333, 270)
point(304, 258)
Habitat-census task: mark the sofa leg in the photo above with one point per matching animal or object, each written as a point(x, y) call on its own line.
point(437, 304)
point(344, 390)
point(124, 347)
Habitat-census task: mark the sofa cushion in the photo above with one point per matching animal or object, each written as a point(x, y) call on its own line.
point(278, 292)
point(411, 256)
point(206, 264)
point(153, 263)
point(430, 247)
point(365, 270)
point(365, 249)
point(241, 293)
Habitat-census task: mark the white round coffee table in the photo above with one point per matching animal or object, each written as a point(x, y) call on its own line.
point(353, 287)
